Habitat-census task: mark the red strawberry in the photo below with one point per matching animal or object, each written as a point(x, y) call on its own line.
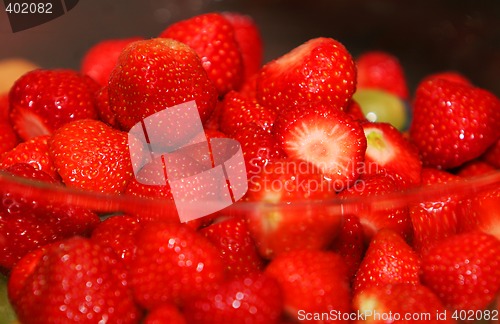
point(388, 260)
point(41, 101)
point(118, 233)
point(285, 225)
point(311, 281)
point(437, 218)
point(213, 37)
point(375, 215)
point(475, 168)
point(483, 212)
point(75, 280)
point(400, 303)
point(172, 264)
point(26, 224)
point(254, 298)
point(328, 139)
point(248, 37)
point(492, 155)
point(8, 137)
point(35, 152)
point(320, 70)
point(258, 146)
point(101, 58)
point(350, 243)
point(381, 70)
point(91, 155)
point(156, 74)
point(237, 111)
point(453, 76)
point(464, 270)
point(165, 313)
point(453, 123)
point(389, 153)
point(237, 248)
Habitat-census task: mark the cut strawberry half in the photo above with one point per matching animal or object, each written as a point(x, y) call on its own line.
point(330, 140)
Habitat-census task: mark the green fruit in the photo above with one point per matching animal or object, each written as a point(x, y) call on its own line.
point(7, 314)
point(381, 106)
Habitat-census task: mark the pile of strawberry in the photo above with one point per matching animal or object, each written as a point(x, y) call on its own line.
point(304, 138)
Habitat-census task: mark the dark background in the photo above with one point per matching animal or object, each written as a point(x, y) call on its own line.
point(427, 36)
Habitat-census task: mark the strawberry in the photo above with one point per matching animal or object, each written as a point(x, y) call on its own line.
point(249, 39)
point(318, 71)
point(475, 168)
point(255, 298)
point(213, 38)
point(41, 101)
point(437, 218)
point(118, 232)
point(464, 270)
point(483, 213)
point(375, 216)
point(381, 70)
point(453, 123)
point(165, 313)
point(172, 264)
point(285, 225)
point(237, 110)
point(350, 243)
point(388, 260)
point(312, 282)
point(8, 137)
point(492, 155)
point(35, 152)
point(453, 76)
point(328, 139)
point(26, 224)
point(389, 153)
point(400, 303)
point(237, 249)
point(75, 280)
point(89, 154)
point(155, 74)
point(259, 147)
point(101, 58)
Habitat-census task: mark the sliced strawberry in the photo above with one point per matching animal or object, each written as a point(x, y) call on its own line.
point(250, 42)
point(350, 243)
point(376, 215)
point(172, 264)
point(320, 70)
point(388, 260)
point(213, 38)
point(312, 282)
point(433, 220)
point(238, 110)
point(41, 101)
point(463, 270)
point(75, 280)
point(237, 249)
point(401, 303)
point(285, 226)
point(255, 298)
point(34, 152)
point(155, 74)
point(89, 154)
point(453, 123)
point(389, 153)
point(328, 139)
point(118, 232)
point(381, 70)
point(101, 58)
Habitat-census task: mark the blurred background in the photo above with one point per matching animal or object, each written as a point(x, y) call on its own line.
point(427, 36)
